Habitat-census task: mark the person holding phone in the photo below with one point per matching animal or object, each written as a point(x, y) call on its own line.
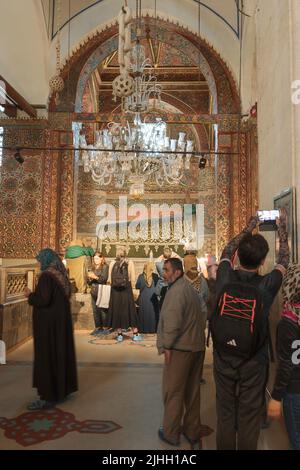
point(241, 374)
point(96, 276)
point(268, 220)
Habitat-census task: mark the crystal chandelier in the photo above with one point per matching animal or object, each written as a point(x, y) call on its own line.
point(109, 162)
point(142, 151)
point(56, 82)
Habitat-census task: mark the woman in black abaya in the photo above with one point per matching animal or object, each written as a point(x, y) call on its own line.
point(54, 373)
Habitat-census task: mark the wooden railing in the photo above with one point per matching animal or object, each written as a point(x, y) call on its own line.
point(13, 280)
point(15, 313)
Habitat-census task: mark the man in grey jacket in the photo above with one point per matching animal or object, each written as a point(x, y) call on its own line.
point(181, 338)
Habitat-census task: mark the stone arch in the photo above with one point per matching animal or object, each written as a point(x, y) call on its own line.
point(111, 45)
point(219, 78)
point(228, 102)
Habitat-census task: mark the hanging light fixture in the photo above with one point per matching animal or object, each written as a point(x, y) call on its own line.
point(202, 162)
point(123, 83)
point(145, 83)
point(56, 83)
point(111, 164)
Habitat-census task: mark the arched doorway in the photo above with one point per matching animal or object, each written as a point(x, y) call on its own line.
point(226, 214)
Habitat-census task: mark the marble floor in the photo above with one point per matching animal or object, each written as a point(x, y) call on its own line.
point(118, 405)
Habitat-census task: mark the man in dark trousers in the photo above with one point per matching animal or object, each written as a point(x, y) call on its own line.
point(240, 384)
point(181, 338)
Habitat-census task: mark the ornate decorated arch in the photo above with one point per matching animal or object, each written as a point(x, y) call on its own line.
point(102, 42)
point(232, 187)
point(44, 206)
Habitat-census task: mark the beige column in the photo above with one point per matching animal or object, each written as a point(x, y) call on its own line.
point(295, 75)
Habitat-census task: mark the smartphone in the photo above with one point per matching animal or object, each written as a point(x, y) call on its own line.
point(266, 216)
point(268, 220)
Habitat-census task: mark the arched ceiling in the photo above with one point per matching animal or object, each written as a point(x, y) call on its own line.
point(226, 11)
point(184, 88)
point(102, 44)
point(182, 83)
point(218, 25)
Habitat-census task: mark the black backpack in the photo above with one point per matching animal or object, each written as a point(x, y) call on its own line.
point(237, 325)
point(119, 275)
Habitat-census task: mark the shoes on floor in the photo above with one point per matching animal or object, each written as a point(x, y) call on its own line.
point(191, 441)
point(107, 331)
point(40, 405)
point(137, 337)
point(100, 332)
point(95, 332)
point(205, 430)
point(164, 439)
point(120, 338)
point(195, 443)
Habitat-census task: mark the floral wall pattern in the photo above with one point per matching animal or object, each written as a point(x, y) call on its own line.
point(36, 197)
point(21, 196)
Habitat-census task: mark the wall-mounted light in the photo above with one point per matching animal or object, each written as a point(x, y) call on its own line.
point(202, 162)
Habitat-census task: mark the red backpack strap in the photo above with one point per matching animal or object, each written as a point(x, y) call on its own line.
point(290, 315)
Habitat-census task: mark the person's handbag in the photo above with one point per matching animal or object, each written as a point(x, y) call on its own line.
point(103, 297)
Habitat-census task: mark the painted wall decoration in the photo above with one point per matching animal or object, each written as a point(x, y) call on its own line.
point(21, 196)
point(90, 197)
